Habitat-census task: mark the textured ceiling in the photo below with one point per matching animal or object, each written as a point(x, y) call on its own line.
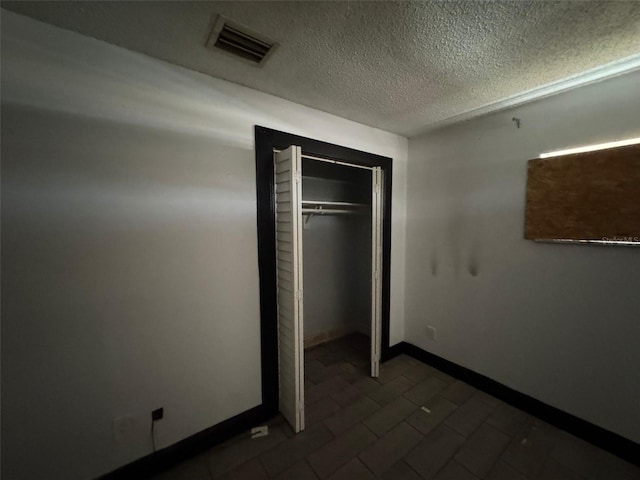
point(399, 66)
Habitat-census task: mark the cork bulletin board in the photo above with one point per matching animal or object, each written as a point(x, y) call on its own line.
point(591, 197)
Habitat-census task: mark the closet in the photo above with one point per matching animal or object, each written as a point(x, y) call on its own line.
point(336, 235)
point(328, 226)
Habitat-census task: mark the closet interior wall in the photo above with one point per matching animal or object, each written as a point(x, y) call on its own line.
point(336, 254)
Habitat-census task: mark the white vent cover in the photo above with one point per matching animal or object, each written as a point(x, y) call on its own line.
point(241, 42)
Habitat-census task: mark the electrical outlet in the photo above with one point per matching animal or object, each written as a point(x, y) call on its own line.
point(431, 333)
point(157, 414)
point(124, 429)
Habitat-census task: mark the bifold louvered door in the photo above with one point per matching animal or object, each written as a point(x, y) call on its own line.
point(376, 269)
point(288, 193)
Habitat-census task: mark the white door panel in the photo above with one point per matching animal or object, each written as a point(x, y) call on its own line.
point(288, 190)
point(376, 269)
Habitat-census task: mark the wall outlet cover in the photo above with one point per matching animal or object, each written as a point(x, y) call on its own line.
point(431, 333)
point(157, 414)
point(260, 431)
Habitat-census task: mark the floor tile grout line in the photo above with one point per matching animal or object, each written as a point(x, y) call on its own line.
point(504, 449)
point(526, 421)
point(365, 426)
point(522, 430)
point(369, 397)
point(342, 464)
point(410, 467)
point(422, 437)
point(402, 459)
point(209, 469)
point(466, 469)
point(452, 458)
point(514, 467)
point(209, 474)
point(466, 439)
point(476, 429)
point(262, 465)
point(306, 460)
point(249, 460)
point(357, 457)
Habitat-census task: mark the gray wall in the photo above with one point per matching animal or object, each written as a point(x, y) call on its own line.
point(127, 258)
point(129, 251)
point(560, 323)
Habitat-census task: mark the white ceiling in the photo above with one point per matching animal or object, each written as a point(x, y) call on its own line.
point(399, 66)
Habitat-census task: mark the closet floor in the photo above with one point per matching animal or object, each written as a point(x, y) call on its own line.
point(413, 422)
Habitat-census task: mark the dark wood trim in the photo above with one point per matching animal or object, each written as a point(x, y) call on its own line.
point(265, 197)
point(164, 459)
point(598, 436)
point(267, 140)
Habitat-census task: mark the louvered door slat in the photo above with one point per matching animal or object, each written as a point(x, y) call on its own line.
point(376, 269)
point(288, 168)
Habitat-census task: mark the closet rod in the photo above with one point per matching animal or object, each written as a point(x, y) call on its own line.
point(327, 211)
point(322, 203)
point(328, 160)
point(337, 162)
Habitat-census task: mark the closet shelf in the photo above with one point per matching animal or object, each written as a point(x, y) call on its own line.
point(319, 207)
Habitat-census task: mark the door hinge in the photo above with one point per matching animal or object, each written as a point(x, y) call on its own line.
point(298, 177)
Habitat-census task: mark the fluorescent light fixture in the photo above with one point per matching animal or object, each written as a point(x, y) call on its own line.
point(591, 148)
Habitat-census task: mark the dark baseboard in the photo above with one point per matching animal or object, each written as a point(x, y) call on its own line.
point(393, 351)
point(164, 459)
point(598, 436)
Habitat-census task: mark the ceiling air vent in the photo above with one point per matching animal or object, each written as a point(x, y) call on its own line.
point(240, 42)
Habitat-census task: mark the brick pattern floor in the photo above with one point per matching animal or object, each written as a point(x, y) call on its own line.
point(413, 422)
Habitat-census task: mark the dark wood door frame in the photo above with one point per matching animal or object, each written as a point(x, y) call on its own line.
point(266, 141)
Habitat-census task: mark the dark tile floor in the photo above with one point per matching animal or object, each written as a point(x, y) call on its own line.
point(414, 422)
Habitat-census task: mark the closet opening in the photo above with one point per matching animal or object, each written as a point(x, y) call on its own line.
point(337, 267)
point(324, 230)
